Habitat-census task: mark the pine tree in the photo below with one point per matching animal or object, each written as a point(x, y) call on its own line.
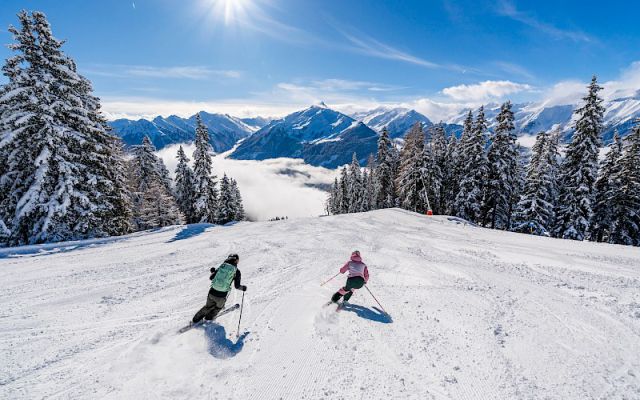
point(20, 124)
point(61, 170)
point(355, 187)
point(226, 202)
point(206, 199)
point(473, 168)
point(146, 180)
point(384, 173)
point(344, 191)
point(184, 181)
point(333, 199)
point(625, 226)
point(519, 183)
point(580, 168)
point(606, 186)
point(237, 197)
point(111, 190)
point(452, 171)
point(534, 212)
point(437, 167)
point(369, 197)
point(158, 208)
point(410, 182)
point(502, 171)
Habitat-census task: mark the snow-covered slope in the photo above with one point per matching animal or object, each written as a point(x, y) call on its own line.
point(224, 130)
point(319, 135)
point(476, 314)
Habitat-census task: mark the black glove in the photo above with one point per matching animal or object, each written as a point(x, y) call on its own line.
point(243, 288)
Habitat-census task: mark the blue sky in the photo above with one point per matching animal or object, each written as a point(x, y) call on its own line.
point(268, 57)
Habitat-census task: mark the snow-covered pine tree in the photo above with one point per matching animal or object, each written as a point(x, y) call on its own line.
point(369, 197)
point(451, 180)
point(19, 123)
point(145, 176)
point(344, 191)
point(111, 189)
point(473, 169)
point(333, 203)
point(226, 202)
point(384, 173)
point(579, 170)
point(502, 171)
point(459, 159)
point(395, 169)
point(166, 177)
point(355, 188)
point(410, 182)
point(239, 206)
point(184, 182)
point(158, 208)
point(534, 212)
point(626, 200)
point(519, 182)
point(364, 205)
point(553, 158)
point(62, 171)
point(104, 208)
point(437, 168)
point(206, 196)
point(606, 187)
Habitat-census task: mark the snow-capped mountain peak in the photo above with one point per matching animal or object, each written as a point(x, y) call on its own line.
point(318, 134)
point(397, 120)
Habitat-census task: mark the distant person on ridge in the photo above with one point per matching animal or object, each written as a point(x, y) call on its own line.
point(221, 279)
point(358, 277)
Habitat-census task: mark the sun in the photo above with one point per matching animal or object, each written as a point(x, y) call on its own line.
point(229, 11)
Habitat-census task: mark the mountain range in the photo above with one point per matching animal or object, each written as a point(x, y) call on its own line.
point(224, 130)
point(326, 137)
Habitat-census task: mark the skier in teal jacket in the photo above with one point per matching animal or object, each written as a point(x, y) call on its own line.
point(221, 280)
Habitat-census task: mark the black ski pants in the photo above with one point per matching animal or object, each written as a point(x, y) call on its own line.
point(211, 309)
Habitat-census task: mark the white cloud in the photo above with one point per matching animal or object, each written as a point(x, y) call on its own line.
point(487, 90)
point(350, 96)
point(564, 92)
point(270, 188)
point(572, 91)
point(628, 84)
point(147, 107)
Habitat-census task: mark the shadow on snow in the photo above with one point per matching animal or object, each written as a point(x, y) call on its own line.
point(367, 313)
point(54, 248)
point(35, 250)
point(190, 231)
point(219, 345)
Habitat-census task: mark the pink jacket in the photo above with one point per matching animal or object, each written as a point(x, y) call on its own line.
point(356, 267)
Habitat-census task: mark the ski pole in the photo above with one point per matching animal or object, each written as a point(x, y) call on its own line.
point(330, 279)
point(240, 318)
point(374, 297)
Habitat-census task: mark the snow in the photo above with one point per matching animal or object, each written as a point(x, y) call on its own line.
point(476, 313)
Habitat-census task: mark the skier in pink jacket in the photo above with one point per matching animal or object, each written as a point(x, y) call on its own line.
point(358, 277)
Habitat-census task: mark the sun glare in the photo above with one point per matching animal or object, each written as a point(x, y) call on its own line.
point(229, 11)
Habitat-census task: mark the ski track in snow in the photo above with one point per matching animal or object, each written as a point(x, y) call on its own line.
point(476, 314)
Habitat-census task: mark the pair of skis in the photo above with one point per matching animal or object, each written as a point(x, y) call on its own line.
point(201, 322)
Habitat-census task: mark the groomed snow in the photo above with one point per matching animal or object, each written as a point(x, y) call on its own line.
point(477, 314)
